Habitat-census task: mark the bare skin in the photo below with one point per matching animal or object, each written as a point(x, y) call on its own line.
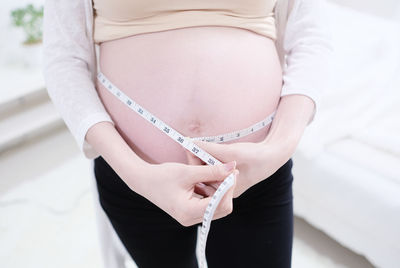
point(200, 80)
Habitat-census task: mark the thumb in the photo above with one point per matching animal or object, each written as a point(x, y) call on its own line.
point(208, 173)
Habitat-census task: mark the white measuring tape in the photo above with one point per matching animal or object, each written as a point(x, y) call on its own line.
point(187, 143)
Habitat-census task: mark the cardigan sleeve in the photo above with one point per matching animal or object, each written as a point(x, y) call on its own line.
point(66, 69)
point(308, 49)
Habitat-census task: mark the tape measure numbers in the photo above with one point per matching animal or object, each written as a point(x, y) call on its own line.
point(187, 143)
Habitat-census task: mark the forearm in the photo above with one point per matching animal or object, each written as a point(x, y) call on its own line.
point(106, 140)
point(307, 69)
point(291, 118)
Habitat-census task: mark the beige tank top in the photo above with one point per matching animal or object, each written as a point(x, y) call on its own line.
point(115, 19)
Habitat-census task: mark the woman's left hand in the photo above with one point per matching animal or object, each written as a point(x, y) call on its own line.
point(255, 162)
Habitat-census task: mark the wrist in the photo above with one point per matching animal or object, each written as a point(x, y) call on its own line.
point(290, 121)
point(116, 152)
point(135, 174)
point(281, 148)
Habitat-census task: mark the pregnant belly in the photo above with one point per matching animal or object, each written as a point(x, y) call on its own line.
point(201, 81)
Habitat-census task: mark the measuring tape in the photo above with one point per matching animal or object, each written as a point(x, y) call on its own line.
point(187, 143)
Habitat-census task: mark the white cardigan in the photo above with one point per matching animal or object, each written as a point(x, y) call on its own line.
point(70, 60)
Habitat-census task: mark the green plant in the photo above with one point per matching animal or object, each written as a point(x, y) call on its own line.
point(30, 19)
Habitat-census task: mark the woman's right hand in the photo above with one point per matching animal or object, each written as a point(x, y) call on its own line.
point(172, 187)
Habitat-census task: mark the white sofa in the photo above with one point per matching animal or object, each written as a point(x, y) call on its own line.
point(347, 165)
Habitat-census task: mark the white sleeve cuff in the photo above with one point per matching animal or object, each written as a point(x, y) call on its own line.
point(87, 149)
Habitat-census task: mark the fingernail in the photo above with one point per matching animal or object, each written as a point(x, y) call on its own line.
point(230, 166)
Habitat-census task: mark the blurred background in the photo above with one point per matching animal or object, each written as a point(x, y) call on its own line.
point(346, 168)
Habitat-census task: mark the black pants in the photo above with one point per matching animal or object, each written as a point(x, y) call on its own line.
point(258, 233)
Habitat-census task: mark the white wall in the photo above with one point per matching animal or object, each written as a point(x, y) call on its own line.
point(383, 8)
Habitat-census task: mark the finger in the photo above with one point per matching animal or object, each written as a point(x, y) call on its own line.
point(198, 208)
point(208, 173)
point(196, 195)
point(204, 190)
point(216, 184)
point(208, 189)
point(225, 207)
point(221, 151)
point(192, 159)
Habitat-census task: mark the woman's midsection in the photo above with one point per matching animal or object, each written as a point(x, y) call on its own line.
point(201, 81)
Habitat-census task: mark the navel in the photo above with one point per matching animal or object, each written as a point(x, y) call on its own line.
point(194, 128)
